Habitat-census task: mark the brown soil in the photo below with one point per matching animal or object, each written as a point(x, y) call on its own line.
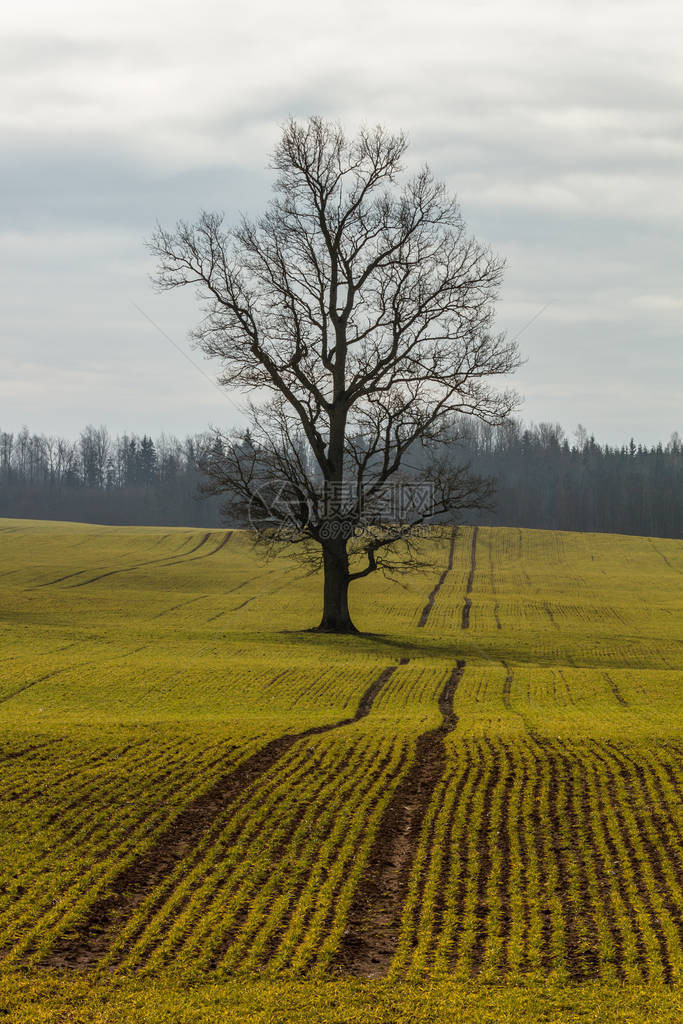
point(470, 581)
point(432, 597)
point(602, 871)
point(440, 900)
point(112, 910)
point(636, 867)
point(507, 684)
point(580, 956)
point(460, 892)
point(473, 566)
point(504, 893)
point(536, 824)
point(615, 867)
point(520, 830)
point(284, 850)
point(482, 907)
point(639, 801)
point(371, 937)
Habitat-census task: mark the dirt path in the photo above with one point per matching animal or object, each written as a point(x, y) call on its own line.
point(110, 913)
point(374, 921)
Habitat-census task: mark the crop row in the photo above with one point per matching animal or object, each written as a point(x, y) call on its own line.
point(116, 805)
point(264, 883)
point(547, 856)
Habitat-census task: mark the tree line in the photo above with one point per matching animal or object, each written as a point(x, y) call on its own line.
point(543, 479)
point(546, 480)
point(127, 480)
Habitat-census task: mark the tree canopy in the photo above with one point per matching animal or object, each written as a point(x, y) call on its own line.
point(360, 313)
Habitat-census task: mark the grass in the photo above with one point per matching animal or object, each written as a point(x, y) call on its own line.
point(197, 792)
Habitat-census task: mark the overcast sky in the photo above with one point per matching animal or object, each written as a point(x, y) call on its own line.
point(557, 124)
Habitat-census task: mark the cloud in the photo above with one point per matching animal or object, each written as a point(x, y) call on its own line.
point(558, 126)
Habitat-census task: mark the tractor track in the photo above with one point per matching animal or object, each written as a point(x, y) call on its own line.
point(151, 561)
point(465, 622)
point(134, 883)
point(167, 561)
point(374, 920)
point(426, 611)
point(616, 692)
point(282, 852)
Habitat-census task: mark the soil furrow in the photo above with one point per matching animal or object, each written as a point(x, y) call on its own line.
point(42, 679)
point(504, 894)
point(541, 864)
point(464, 858)
point(165, 894)
point(182, 604)
point(152, 561)
point(331, 912)
point(374, 921)
point(637, 870)
point(473, 563)
point(586, 965)
point(602, 874)
point(278, 848)
point(60, 579)
point(671, 900)
point(673, 777)
point(563, 884)
point(494, 589)
point(507, 685)
point(659, 820)
point(13, 755)
point(112, 910)
point(440, 903)
point(432, 597)
point(465, 622)
point(92, 831)
point(207, 554)
point(616, 868)
point(616, 692)
point(482, 908)
point(522, 844)
point(663, 556)
point(277, 933)
point(549, 612)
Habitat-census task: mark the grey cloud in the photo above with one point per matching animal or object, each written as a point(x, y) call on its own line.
point(557, 125)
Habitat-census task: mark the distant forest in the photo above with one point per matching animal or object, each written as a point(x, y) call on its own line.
point(543, 479)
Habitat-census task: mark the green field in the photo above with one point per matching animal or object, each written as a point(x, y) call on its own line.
point(471, 813)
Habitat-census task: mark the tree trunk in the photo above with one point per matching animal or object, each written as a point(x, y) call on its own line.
point(336, 617)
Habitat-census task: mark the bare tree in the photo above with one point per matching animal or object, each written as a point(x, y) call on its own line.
point(95, 450)
point(362, 312)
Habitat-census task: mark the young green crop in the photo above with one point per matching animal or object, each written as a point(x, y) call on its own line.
point(144, 673)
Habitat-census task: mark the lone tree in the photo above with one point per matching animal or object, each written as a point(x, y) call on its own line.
point(361, 311)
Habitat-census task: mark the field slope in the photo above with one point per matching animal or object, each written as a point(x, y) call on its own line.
point(208, 813)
